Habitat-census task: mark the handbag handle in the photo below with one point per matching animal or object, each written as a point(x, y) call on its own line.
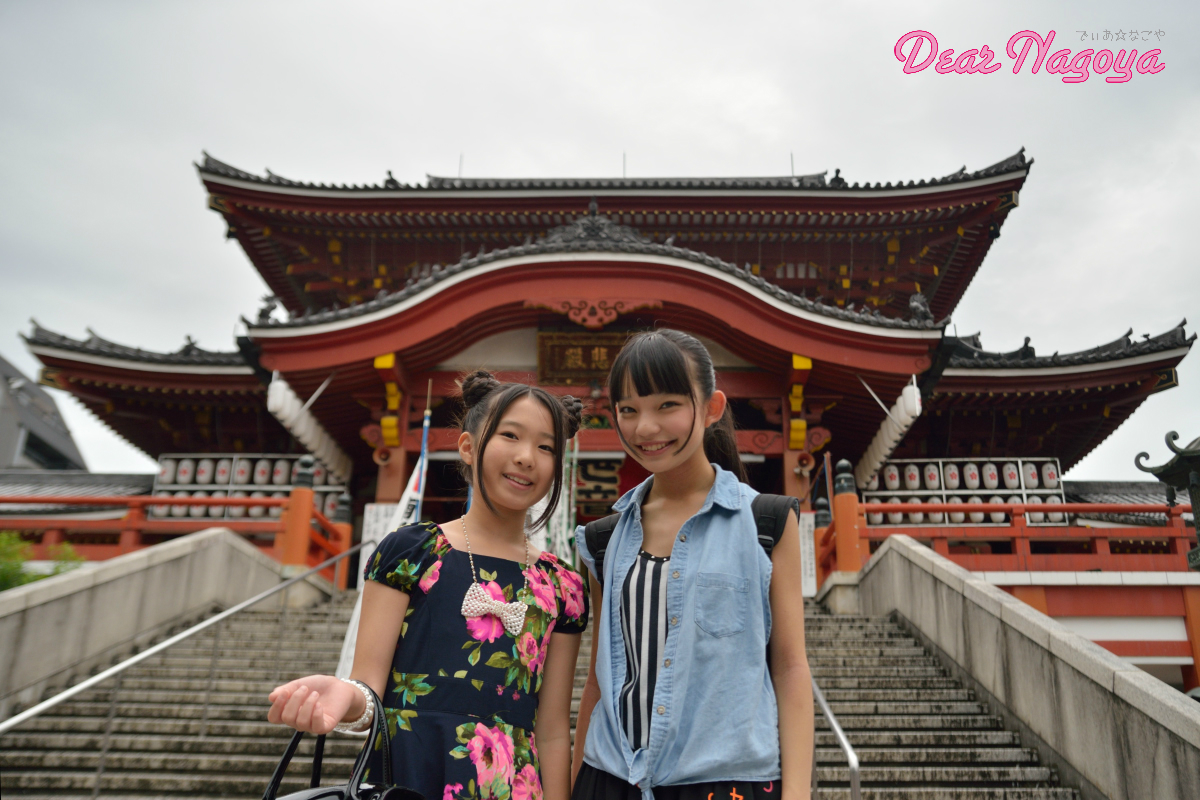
point(379, 728)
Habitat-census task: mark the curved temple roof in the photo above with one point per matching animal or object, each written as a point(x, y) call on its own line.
point(968, 353)
point(189, 355)
point(1013, 163)
point(597, 234)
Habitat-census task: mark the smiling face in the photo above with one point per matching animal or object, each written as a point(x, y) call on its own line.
point(664, 430)
point(519, 463)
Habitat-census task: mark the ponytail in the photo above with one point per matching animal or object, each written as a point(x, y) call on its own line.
point(720, 445)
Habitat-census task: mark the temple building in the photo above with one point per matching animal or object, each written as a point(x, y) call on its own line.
point(821, 300)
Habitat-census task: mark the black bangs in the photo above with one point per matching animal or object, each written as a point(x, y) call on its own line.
point(654, 364)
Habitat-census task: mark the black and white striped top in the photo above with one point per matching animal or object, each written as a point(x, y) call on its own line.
point(644, 626)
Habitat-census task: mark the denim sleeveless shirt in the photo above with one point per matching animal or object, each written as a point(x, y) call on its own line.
point(714, 716)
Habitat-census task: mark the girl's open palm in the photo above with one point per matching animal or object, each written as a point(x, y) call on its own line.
point(313, 704)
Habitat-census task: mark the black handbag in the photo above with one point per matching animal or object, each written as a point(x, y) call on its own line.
point(355, 789)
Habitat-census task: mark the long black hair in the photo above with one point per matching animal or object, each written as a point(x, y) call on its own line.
point(667, 361)
point(485, 400)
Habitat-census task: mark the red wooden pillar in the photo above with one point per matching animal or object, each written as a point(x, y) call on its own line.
point(1191, 619)
point(1020, 534)
point(1032, 595)
point(131, 534)
point(291, 543)
point(845, 520)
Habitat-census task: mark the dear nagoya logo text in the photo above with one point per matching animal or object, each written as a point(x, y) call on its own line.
point(918, 50)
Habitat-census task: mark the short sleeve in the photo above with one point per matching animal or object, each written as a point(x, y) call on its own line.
point(403, 556)
point(573, 600)
point(585, 555)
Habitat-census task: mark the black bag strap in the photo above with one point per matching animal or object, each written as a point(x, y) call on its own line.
point(770, 515)
point(596, 535)
point(353, 791)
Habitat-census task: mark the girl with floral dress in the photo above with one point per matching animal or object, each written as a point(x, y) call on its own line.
point(468, 634)
point(699, 687)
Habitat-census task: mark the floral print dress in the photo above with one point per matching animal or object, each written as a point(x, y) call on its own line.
point(461, 699)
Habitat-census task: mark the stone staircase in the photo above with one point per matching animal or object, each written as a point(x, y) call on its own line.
point(918, 734)
point(182, 725)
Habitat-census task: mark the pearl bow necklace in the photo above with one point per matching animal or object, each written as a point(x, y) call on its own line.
point(478, 602)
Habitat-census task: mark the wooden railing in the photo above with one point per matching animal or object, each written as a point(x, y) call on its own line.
point(301, 537)
point(1018, 546)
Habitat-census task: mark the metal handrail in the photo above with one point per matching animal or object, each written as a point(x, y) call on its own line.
point(117, 669)
point(847, 748)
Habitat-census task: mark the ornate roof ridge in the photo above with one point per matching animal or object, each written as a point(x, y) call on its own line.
point(968, 352)
point(595, 233)
point(817, 180)
point(189, 354)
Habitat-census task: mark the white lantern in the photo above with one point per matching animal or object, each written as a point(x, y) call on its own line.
point(1029, 472)
point(891, 477)
point(331, 504)
point(243, 469)
point(874, 518)
point(179, 511)
point(873, 484)
point(990, 476)
point(237, 512)
point(281, 471)
point(1055, 516)
point(1050, 475)
point(895, 517)
point(223, 471)
point(198, 511)
point(217, 511)
point(956, 516)
point(1011, 475)
point(319, 474)
point(950, 476)
point(185, 471)
point(912, 477)
point(277, 511)
point(204, 471)
point(1035, 516)
point(916, 517)
point(932, 478)
point(976, 516)
point(970, 474)
point(997, 516)
point(166, 471)
point(935, 516)
point(161, 511)
point(257, 511)
point(262, 472)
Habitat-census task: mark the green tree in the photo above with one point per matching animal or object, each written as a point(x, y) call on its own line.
point(15, 551)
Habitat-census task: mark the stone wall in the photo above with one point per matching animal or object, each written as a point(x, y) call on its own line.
point(1119, 732)
point(59, 628)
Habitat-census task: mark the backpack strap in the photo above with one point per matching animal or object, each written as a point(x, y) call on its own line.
point(770, 515)
point(596, 535)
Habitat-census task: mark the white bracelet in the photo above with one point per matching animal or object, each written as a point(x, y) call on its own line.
point(362, 723)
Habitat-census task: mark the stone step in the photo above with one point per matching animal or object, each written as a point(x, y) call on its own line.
point(847, 709)
point(823, 793)
point(142, 784)
point(995, 776)
point(868, 672)
point(127, 761)
point(910, 723)
point(872, 661)
point(829, 684)
point(946, 756)
point(335, 746)
point(872, 653)
point(896, 695)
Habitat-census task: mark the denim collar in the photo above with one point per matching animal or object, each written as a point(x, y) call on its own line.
point(725, 492)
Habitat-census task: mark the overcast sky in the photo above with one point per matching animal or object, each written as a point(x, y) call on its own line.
point(105, 105)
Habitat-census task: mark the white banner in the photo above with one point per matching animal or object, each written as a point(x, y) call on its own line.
point(808, 554)
point(379, 519)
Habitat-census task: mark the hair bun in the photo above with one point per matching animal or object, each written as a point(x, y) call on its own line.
point(574, 413)
point(477, 386)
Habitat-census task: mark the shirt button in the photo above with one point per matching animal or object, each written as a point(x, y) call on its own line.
point(683, 537)
point(667, 663)
point(674, 620)
point(662, 710)
point(675, 574)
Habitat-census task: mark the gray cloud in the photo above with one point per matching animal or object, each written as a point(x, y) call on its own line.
point(105, 106)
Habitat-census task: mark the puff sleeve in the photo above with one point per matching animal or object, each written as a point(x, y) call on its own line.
point(403, 556)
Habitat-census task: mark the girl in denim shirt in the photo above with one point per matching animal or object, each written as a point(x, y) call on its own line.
point(684, 698)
